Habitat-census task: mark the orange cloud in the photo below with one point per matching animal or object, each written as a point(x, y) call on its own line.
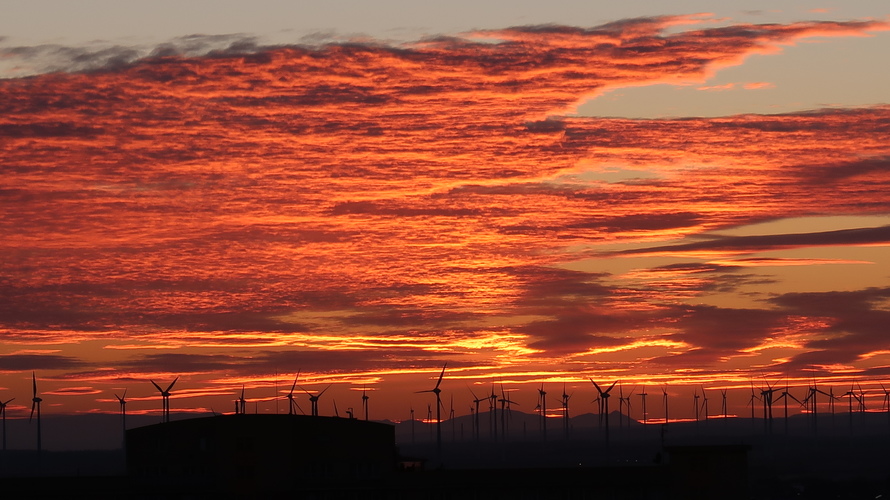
point(728, 86)
point(758, 85)
point(365, 208)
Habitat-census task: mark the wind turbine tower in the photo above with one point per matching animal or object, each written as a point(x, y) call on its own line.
point(704, 403)
point(35, 403)
point(565, 411)
point(122, 401)
point(365, 399)
point(493, 414)
point(886, 405)
point(542, 395)
point(241, 404)
point(505, 412)
point(3, 416)
point(476, 400)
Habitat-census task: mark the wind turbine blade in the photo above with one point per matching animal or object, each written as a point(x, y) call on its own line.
point(32, 411)
point(611, 386)
point(34, 380)
point(473, 393)
point(597, 387)
point(171, 384)
point(441, 375)
point(325, 390)
point(156, 386)
point(295, 382)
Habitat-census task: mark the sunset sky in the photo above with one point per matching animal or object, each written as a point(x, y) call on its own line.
point(532, 192)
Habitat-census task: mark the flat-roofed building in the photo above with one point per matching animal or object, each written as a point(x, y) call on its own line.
point(260, 452)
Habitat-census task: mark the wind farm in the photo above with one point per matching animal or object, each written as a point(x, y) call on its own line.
point(517, 440)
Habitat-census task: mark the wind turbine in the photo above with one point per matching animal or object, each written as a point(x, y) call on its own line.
point(476, 400)
point(542, 397)
point(850, 396)
point(628, 404)
point(811, 396)
point(505, 412)
point(165, 399)
point(831, 400)
point(3, 416)
point(599, 412)
point(293, 406)
point(35, 403)
point(565, 411)
point(886, 404)
point(766, 396)
point(704, 402)
point(862, 408)
point(429, 418)
point(122, 401)
point(241, 403)
point(493, 414)
point(784, 396)
point(723, 408)
point(435, 390)
point(365, 399)
point(451, 418)
point(313, 399)
point(752, 404)
point(643, 398)
point(605, 403)
point(620, 406)
point(695, 397)
point(624, 402)
point(664, 402)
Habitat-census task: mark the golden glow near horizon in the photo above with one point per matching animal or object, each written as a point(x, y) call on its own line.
point(366, 213)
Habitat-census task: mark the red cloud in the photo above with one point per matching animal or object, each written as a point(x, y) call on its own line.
point(427, 189)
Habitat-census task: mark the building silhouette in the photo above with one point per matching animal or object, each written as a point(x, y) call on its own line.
point(247, 453)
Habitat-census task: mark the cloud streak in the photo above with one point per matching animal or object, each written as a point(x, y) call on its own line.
point(735, 245)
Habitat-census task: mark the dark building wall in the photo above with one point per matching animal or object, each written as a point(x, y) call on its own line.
point(244, 452)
